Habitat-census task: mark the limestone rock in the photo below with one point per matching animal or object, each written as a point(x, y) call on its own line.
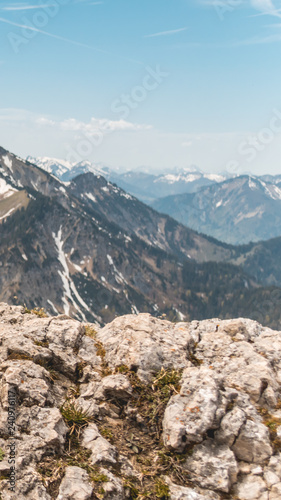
point(183, 493)
point(28, 486)
point(253, 444)
point(275, 492)
point(272, 473)
point(212, 466)
point(102, 450)
point(75, 485)
point(88, 352)
point(113, 488)
point(114, 387)
point(230, 370)
point(230, 426)
point(242, 364)
point(251, 487)
point(192, 412)
point(110, 387)
point(31, 382)
point(145, 344)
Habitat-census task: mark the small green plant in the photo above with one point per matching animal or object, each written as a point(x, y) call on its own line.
point(167, 378)
point(162, 489)
point(99, 477)
point(194, 360)
point(272, 423)
point(153, 399)
point(2, 454)
point(74, 416)
point(90, 332)
point(107, 434)
point(41, 343)
point(100, 349)
point(18, 356)
point(122, 369)
point(130, 487)
point(39, 312)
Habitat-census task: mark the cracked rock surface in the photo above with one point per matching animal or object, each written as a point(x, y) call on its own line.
point(142, 408)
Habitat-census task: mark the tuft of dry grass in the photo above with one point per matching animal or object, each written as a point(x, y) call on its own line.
point(272, 423)
point(41, 343)
point(52, 471)
point(90, 331)
point(38, 311)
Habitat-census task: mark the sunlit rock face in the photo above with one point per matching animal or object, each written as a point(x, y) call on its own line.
point(196, 403)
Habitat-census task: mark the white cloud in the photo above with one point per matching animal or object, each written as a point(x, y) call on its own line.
point(93, 126)
point(104, 125)
point(166, 33)
point(263, 5)
point(17, 7)
point(129, 145)
point(45, 121)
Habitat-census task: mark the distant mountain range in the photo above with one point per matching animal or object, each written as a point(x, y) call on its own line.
point(91, 250)
point(238, 210)
point(233, 209)
point(145, 186)
point(64, 170)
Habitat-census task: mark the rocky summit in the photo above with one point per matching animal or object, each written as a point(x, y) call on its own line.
point(142, 408)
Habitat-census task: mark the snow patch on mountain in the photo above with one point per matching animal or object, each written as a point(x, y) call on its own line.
point(171, 178)
point(67, 281)
point(51, 165)
point(119, 278)
point(12, 210)
point(252, 184)
point(91, 197)
point(5, 189)
point(256, 213)
point(214, 177)
point(8, 162)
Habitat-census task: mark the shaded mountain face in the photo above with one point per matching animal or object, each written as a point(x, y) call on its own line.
point(261, 260)
point(92, 251)
point(136, 218)
point(236, 211)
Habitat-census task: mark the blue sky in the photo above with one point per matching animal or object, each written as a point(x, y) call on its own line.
point(155, 83)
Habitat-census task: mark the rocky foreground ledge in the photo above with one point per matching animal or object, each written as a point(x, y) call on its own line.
point(142, 408)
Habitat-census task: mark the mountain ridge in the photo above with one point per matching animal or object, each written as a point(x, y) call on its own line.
point(106, 254)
